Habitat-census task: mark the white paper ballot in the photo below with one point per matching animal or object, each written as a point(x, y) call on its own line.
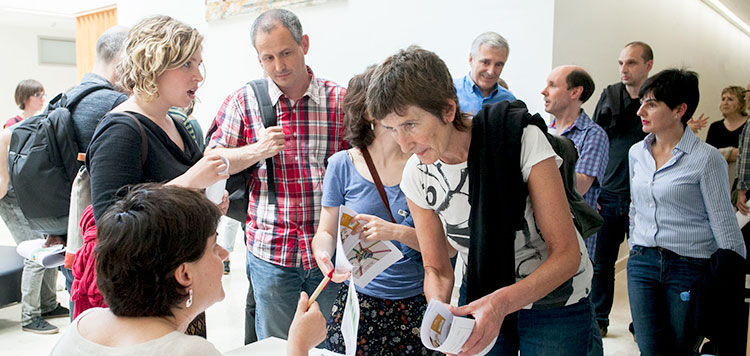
point(442, 331)
point(323, 352)
point(350, 319)
point(742, 220)
point(47, 257)
point(365, 259)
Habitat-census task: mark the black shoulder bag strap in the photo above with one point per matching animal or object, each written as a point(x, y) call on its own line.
point(377, 181)
point(268, 116)
point(144, 140)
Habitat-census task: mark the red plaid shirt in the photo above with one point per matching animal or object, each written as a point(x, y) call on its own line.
point(314, 128)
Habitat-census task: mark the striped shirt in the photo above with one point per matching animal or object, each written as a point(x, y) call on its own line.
point(593, 154)
point(282, 234)
point(743, 160)
point(684, 205)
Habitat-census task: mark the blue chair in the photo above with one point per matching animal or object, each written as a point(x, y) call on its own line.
point(11, 267)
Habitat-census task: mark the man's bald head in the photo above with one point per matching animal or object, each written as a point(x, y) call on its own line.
point(576, 76)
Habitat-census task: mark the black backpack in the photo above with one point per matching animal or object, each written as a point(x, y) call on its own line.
point(239, 195)
point(42, 163)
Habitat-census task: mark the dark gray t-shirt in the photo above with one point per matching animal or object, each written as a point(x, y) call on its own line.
point(623, 127)
point(92, 108)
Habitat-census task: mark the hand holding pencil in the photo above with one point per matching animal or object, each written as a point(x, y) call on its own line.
point(308, 328)
point(323, 283)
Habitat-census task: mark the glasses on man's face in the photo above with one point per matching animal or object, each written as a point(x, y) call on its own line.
point(40, 95)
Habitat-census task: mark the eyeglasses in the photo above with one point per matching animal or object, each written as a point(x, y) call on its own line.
point(39, 95)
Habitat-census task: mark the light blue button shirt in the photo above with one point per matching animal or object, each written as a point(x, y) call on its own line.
point(470, 97)
point(684, 206)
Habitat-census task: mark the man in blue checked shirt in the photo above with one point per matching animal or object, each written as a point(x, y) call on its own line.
point(489, 53)
point(568, 87)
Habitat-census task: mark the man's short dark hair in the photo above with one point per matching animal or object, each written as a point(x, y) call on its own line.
point(646, 53)
point(357, 129)
point(674, 87)
point(142, 239)
point(268, 20)
point(579, 78)
point(110, 44)
point(413, 77)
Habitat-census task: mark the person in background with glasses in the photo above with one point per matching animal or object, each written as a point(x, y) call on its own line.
point(30, 98)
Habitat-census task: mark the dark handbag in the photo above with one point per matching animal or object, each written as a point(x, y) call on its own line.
point(238, 183)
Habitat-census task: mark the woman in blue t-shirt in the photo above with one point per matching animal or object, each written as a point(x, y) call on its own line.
point(392, 304)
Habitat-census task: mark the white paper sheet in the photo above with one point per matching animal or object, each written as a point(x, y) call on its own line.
point(48, 257)
point(323, 352)
point(742, 220)
point(366, 258)
point(442, 331)
point(350, 319)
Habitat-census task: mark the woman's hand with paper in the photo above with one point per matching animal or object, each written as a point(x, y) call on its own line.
point(372, 228)
point(323, 259)
point(489, 313)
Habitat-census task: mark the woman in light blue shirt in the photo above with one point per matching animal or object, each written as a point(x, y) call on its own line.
point(680, 214)
point(392, 304)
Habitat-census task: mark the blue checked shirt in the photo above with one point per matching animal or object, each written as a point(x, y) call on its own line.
point(683, 206)
point(743, 160)
point(470, 97)
point(593, 154)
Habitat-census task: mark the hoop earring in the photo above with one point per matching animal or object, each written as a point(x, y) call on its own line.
point(189, 301)
point(372, 126)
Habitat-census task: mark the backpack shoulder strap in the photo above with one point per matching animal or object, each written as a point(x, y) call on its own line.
point(268, 116)
point(71, 102)
point(267, 112)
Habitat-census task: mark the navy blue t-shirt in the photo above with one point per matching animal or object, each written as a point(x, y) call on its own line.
point(343, 185)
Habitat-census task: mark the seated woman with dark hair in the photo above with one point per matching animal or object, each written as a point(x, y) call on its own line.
point(680, 214)
point(157, 273)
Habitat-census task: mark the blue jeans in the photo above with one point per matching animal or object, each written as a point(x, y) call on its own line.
point(68, 274)
point(614, 211)
point(569, 330)
point(250, 335)
point(659, 283)
point(277, 288)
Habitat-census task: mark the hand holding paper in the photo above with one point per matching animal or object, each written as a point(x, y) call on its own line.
point(365, 259)
point(46, 256)
point(488, 318)
point(373, 228)
point(443, 331)
point(326, 266)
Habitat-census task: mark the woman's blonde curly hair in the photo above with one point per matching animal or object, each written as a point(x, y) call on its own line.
point(154, 45)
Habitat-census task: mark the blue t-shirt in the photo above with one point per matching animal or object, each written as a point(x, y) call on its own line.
point(343, 185)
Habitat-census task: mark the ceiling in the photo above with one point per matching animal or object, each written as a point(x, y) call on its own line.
point(60, 15)
point(48, 14)
point(741, 8)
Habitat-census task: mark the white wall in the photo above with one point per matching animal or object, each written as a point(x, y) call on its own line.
point(21, 61)
point(348, 35)
point(682, 33)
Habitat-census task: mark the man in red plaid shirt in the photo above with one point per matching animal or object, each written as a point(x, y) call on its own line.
point(309, 130)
